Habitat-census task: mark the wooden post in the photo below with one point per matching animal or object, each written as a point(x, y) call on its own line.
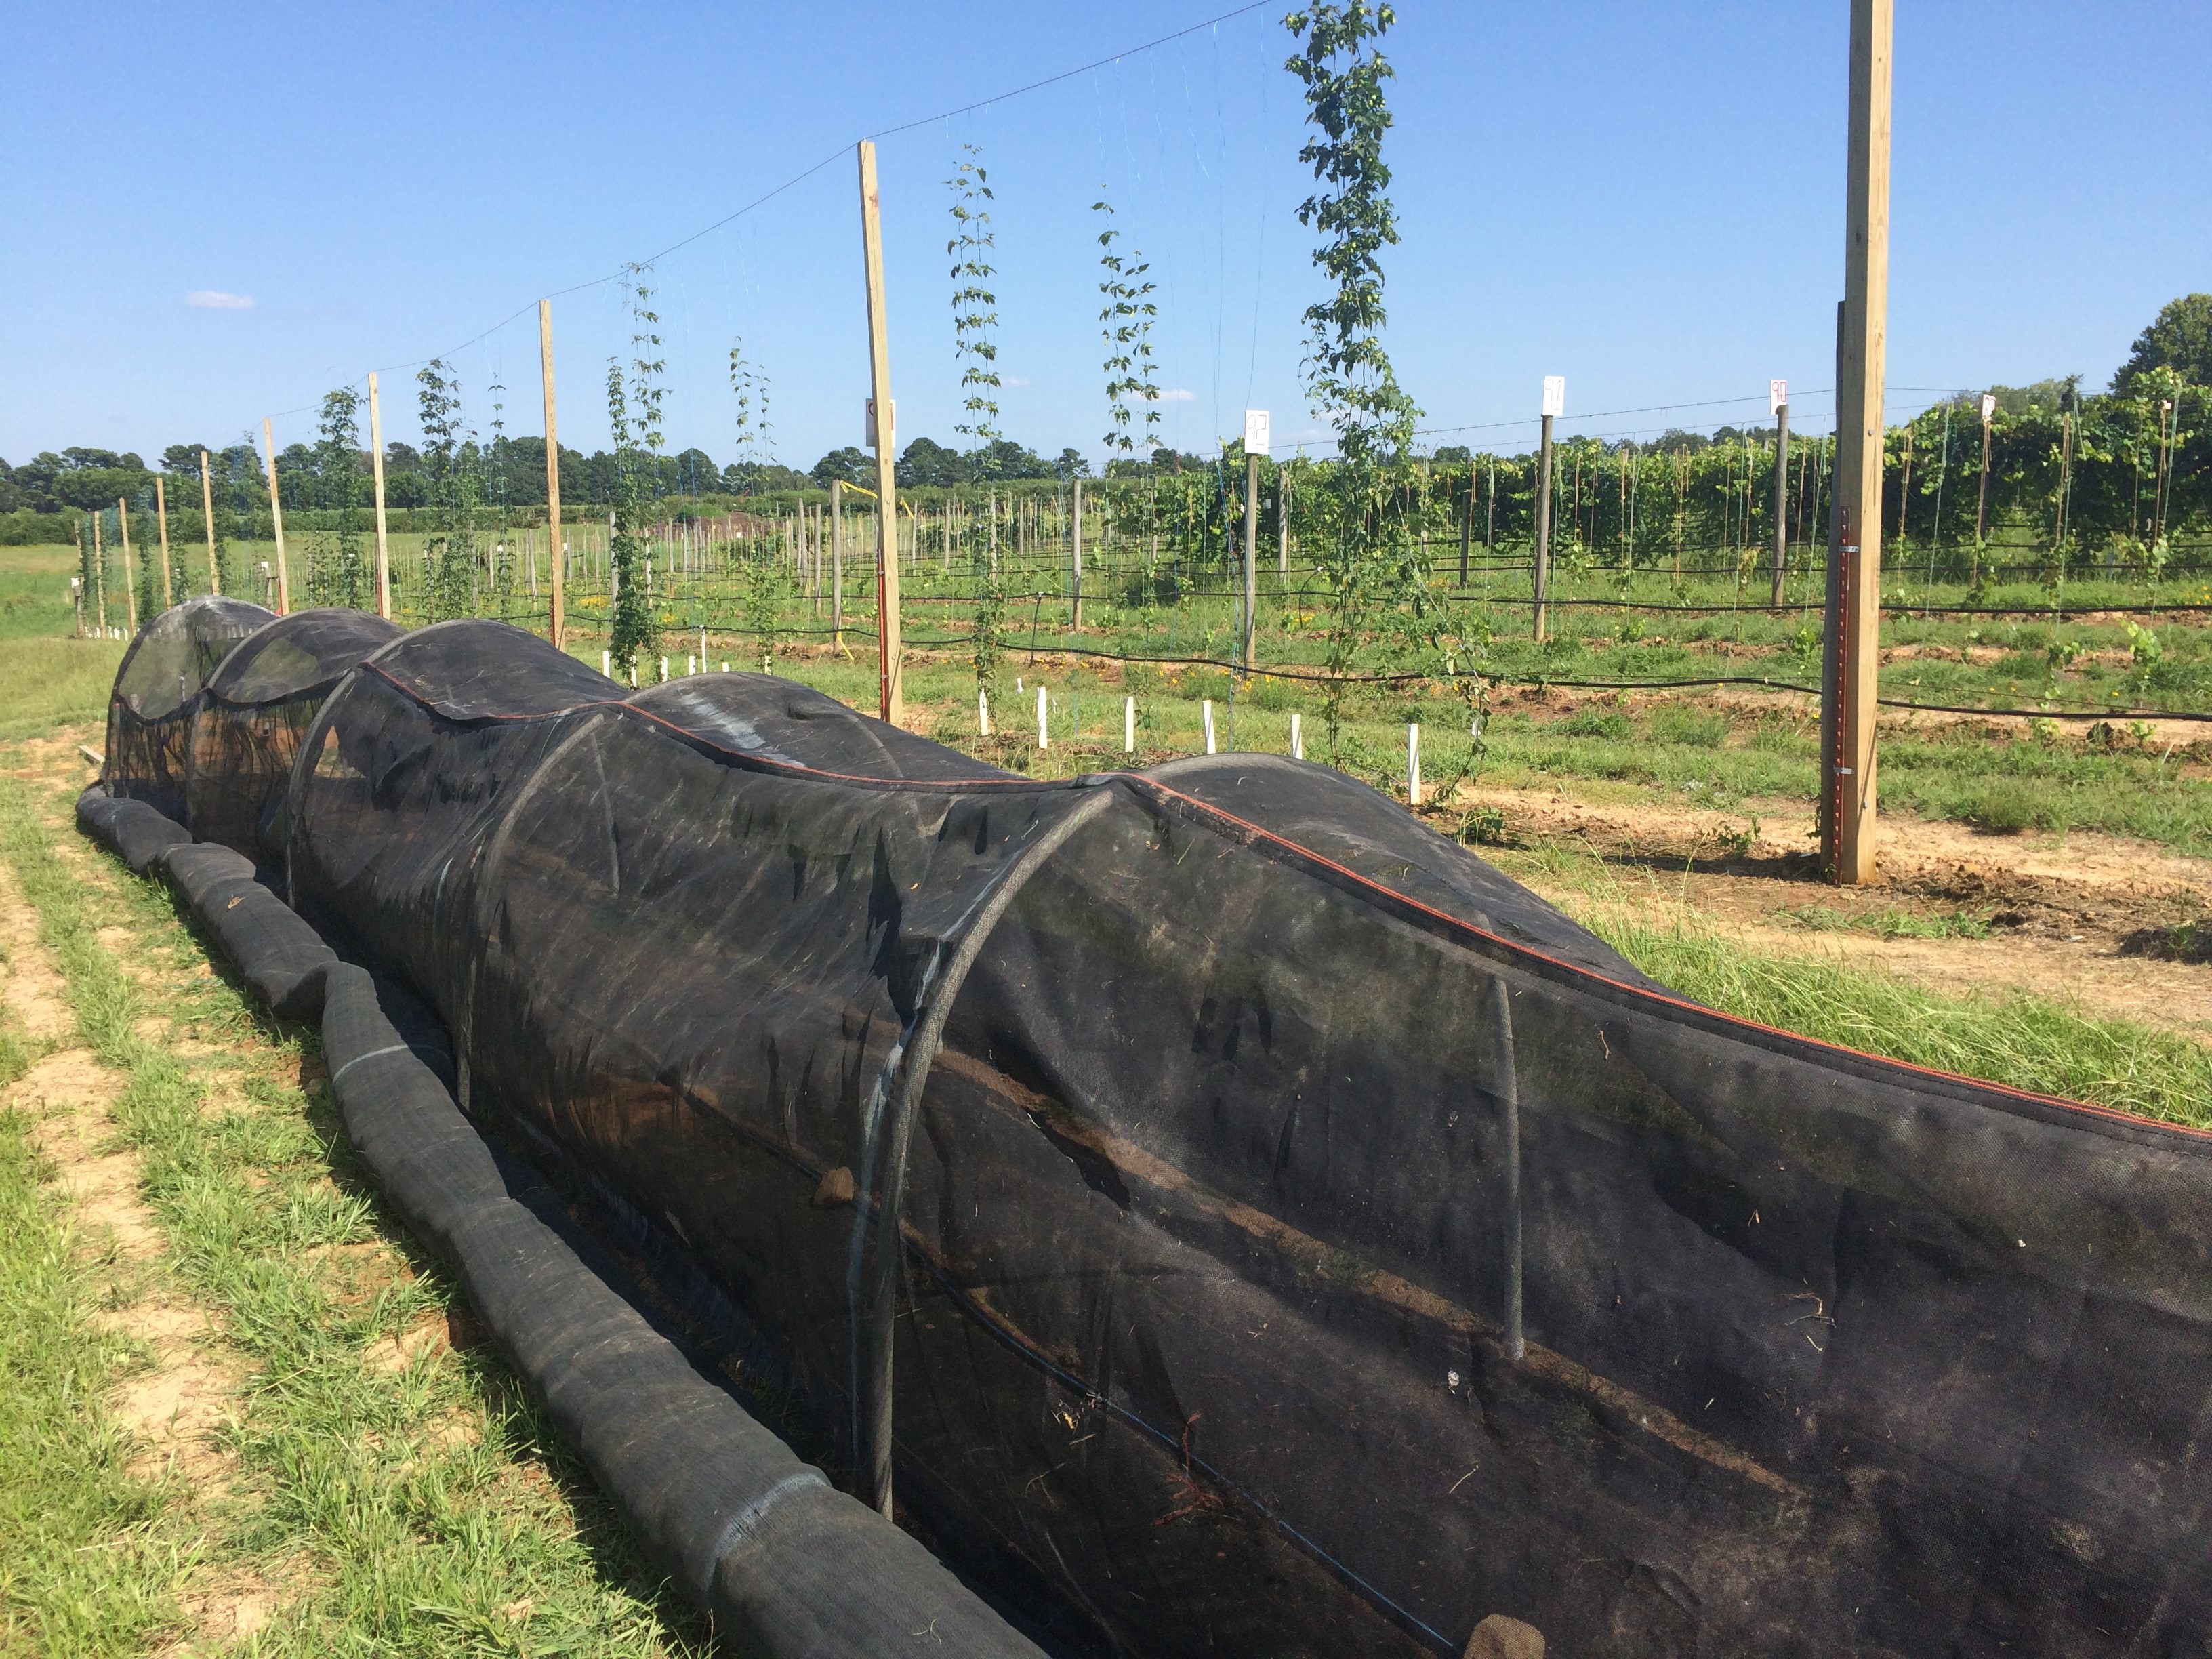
point(376, 472)
point(276, 521)
point(1859, 433)
point(1542, 571)
point(1781, 494)
point(130, 581)
point(558, 628)
point(207, 523)
point(162, 518)
point(1075, 559)
point(890, 680)
point(100, 576)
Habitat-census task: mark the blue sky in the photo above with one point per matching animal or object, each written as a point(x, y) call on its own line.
point(1647, 199)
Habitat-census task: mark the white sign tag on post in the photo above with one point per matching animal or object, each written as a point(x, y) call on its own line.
point(1555, 395)
point(1777, 393)
point(1988, 406)
point(1255, 432)
point(889, 438)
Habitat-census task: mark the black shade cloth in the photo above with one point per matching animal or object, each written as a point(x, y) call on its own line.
point(1307, 1241)
point(252, 712)
point(788, 1567)
point(157, 690)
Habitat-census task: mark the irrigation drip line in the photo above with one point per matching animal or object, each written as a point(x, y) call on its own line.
point(1409, 676)
point(1887, 609)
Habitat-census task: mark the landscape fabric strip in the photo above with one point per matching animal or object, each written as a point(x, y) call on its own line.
point(787, 1565)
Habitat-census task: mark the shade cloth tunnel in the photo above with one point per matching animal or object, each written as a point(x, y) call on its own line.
point(1230, 1218)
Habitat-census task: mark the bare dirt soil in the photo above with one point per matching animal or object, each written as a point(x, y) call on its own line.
point(2102, 920)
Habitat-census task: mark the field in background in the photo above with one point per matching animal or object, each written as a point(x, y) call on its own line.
point(241, 1407)
point(2021, 857)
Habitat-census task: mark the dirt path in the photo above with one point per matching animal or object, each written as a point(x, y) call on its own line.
point(2103, 920)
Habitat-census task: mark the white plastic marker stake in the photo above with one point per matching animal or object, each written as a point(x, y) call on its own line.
point(1414, 764)
point(726, 668)
point(607, 664)
point(633, 677)
point(1128, 725)
point(1298, 737)
point(1044, 740)
point(691, 666)
point(663, 671)
point(1207, 705)
point(983, 713)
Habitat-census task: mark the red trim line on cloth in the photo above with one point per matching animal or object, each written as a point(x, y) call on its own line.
point(1250, 831)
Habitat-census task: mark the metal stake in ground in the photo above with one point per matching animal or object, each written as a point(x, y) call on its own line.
point(1859, 434)
point(1075, 560)
point(1777, 404)
point(162, 518)
point(1256, 446)
point(1555, 404)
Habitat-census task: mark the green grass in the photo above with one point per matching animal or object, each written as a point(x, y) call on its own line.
point(89, 1557)
point(1891, 923)
point(47, 683)
point(2027, 1042)
point(421, 1510)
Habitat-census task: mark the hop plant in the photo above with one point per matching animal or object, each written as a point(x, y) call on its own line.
point(974, 306)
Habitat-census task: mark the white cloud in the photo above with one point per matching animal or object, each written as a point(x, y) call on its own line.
point(210, 299)
point(1013, 379)
point(1177, 395)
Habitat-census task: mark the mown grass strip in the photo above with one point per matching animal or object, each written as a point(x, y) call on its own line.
point(414, 1505)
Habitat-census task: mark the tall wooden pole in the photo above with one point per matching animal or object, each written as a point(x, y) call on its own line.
point(1859, 443)
point(376, 472)
point(1781, 494)
point(1541, 576)
point(207, 523)
point(161, 517)
point(276, 521)
point(99, 574)
point(890, 669)
point(560, 602)
point(130, 581)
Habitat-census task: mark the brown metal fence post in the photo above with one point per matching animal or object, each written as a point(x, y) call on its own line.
point(1859, 431)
